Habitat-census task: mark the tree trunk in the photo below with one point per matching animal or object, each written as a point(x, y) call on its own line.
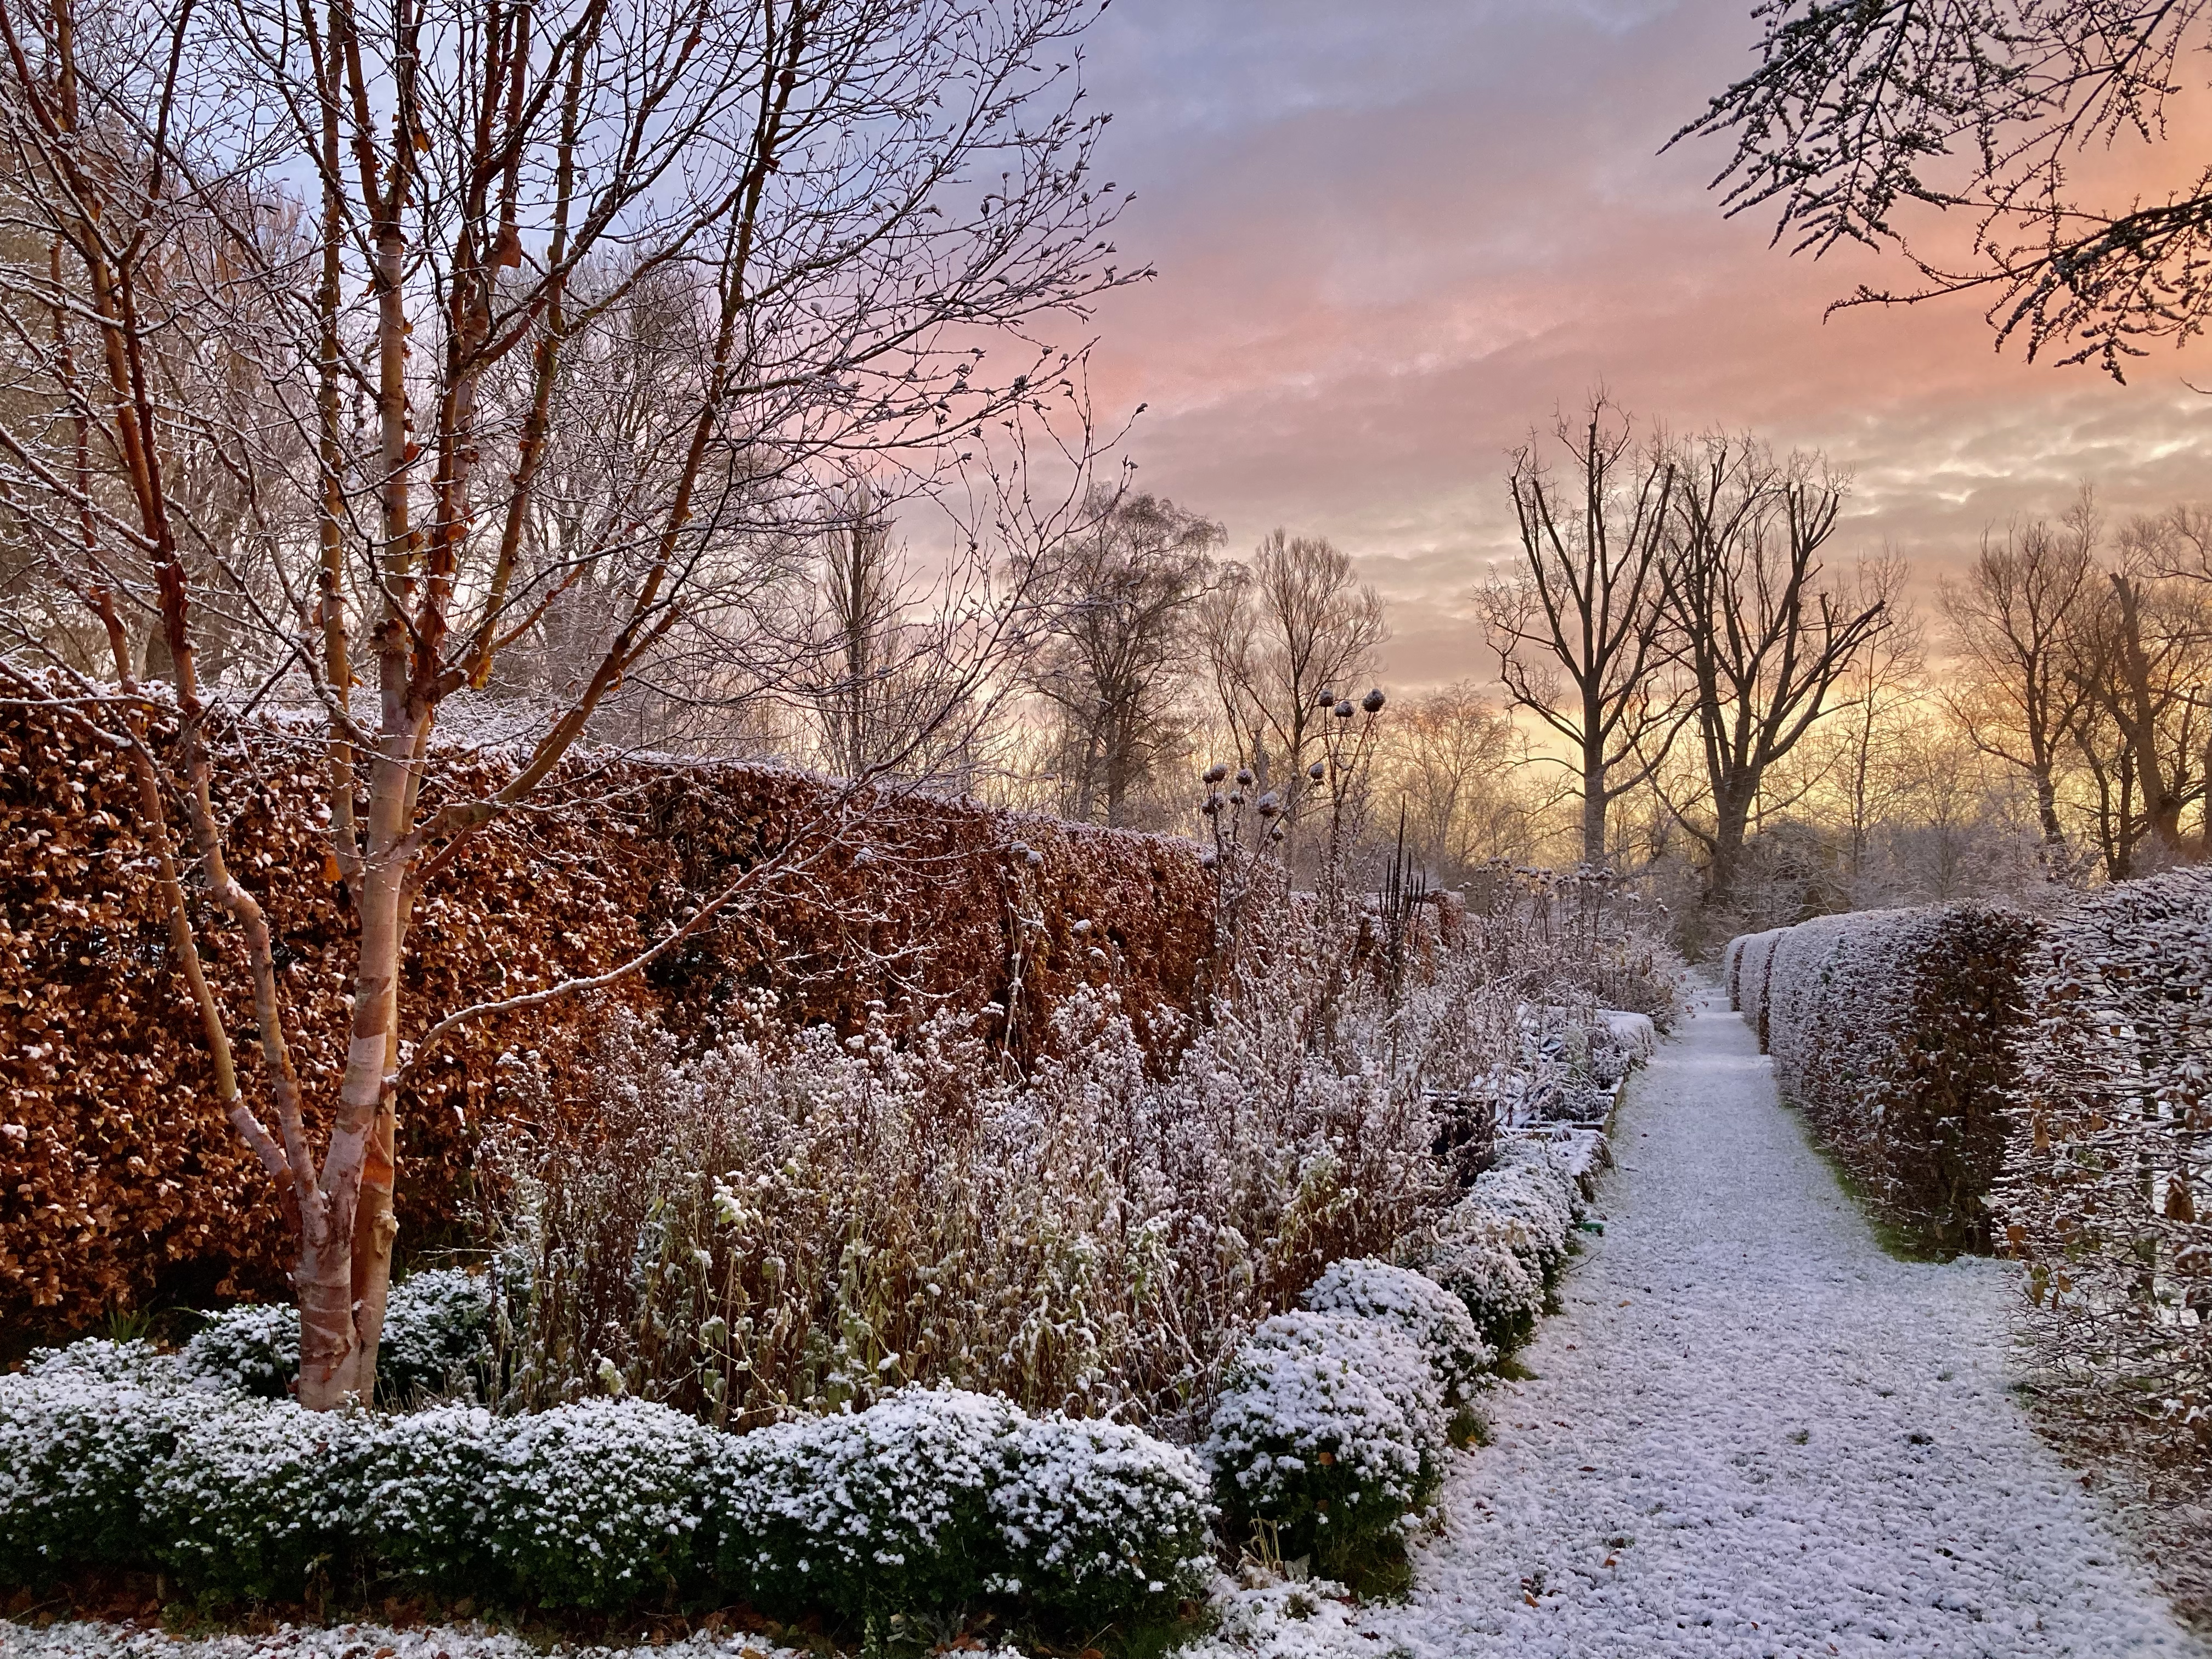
point(1593, 805)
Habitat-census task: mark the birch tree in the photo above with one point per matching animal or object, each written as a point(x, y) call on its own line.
point(418, 234)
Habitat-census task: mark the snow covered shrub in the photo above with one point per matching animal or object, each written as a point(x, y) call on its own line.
point(437, 1337)
point(868, 1513)
point(1533, 1194)
point(78, 1430)
point(933, 1500)
point(1331, 1429)
point(597, 1505)
point(1471, 1253)
point(256, 1500)
point(1748, 987)
point(437, 1334)
point(1437, 1321)
point(2107, 1194)
point(254, 1349)
point(1731, 960)
point(1101, 1522)
point(1892, 1031)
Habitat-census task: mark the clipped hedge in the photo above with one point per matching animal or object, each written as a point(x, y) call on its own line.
point(116, 1458)
point(1892, 1032)
point(2107, 1188)
point(119, 1176)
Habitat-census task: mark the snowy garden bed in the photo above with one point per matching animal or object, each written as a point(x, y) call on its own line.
point(1331, 1432)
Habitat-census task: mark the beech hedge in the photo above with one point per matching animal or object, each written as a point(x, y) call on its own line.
point(2107, 1189)
point(121, 1179)
point(1892, 1031)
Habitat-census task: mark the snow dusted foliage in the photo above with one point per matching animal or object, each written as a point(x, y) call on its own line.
point(1890, 1031)
point(1437, 1321)
point(799, 1224)
point(936, 1498)
point(1498, 1248)
point(1748, 991)
point(77, 1431)
point(1330, 1429)
point(256, 1498)
point(1732, 959)
point(2107, 1188)
point(1101, 1520)
point(254, 1349)
point(437, 1339)
point(1471, 1253)
point(598, 1504)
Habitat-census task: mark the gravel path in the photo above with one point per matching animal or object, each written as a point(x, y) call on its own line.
point(1751, 1432)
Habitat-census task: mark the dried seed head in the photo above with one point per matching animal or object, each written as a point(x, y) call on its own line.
point(1244, 776)
point(1344, 710)
point(1215, 773)
point(1316, 771)
point(1373, 701)
point(1269, 805)
point(1325, 700)
point(1208, 858)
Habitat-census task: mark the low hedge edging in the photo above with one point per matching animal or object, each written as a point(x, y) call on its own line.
point(930, 1500)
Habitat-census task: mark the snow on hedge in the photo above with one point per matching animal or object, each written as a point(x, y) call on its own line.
point(2107, 1186)
point(437, 1339)
point(929, 1501)
point(1890, 1031)
point(1418, 1307)
point(932, 1498)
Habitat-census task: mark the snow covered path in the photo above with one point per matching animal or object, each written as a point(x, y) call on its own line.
point(1753, 1433)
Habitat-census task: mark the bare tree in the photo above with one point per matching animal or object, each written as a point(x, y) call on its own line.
point(2146, 647)
point(1455, 761)
point(1278, 633)
point(1870, 736)
point(1118, 648)
point(1578, 624)
point(1859, 111)
point(2015, 622)
point(496, 193)
point(1766, 647)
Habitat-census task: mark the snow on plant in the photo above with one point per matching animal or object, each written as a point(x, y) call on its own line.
point(1435, 1320)
point(254, 1349)
point(598, 1504)
point(1100, 1521)
point(437, 1329)
point(1531, 1193)
point(2109, 1169)
point(255, 1499)
point(1328, 1430)
point(1471, 1253)
point(78, 1428)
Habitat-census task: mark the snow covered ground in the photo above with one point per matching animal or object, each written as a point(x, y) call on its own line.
point(1753, 1433)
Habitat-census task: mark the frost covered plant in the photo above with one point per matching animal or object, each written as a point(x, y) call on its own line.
point(437, 1338)
point(1415, 1304)
point(1531, 1192)
point(256, 1500)
point(1101, 1521)
point(1472, 1254)
point(598, 1505)
point(868, 1513)
point(77, 1432)
point(1330, 1429)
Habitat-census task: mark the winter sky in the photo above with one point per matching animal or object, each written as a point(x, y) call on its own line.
point(1392, 233)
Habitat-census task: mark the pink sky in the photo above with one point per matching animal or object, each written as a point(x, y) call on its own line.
point(1392, 235)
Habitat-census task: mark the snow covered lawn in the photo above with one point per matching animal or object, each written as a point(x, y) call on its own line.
point(1753, 1433)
